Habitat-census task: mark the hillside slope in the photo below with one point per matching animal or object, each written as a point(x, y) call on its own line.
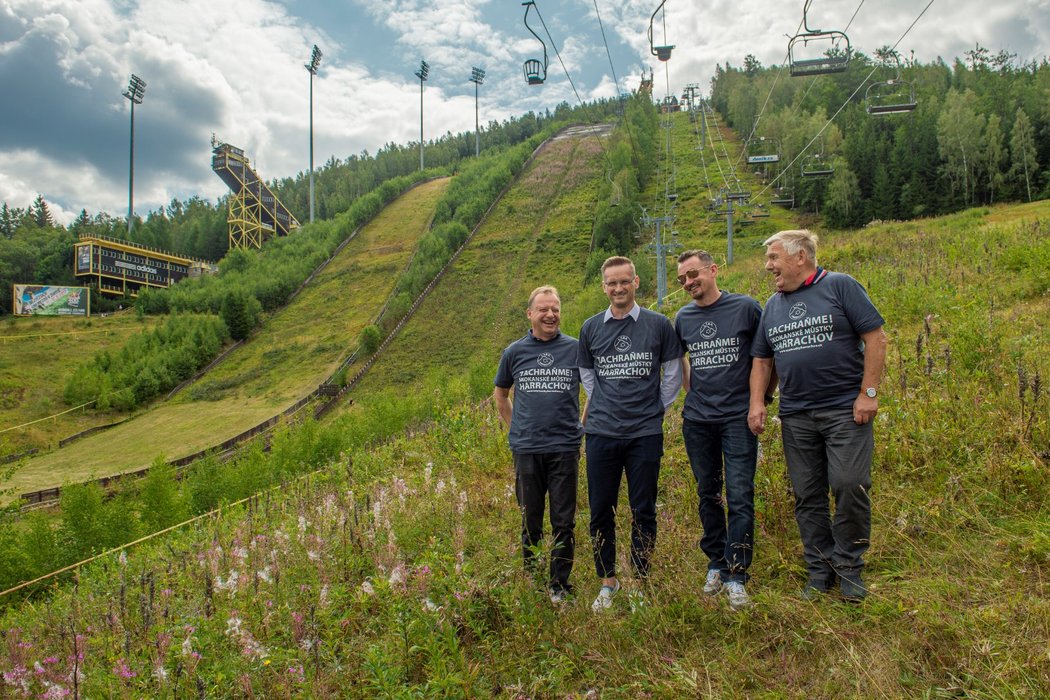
point(538, 233)
point(37, 357)
point(295, 350)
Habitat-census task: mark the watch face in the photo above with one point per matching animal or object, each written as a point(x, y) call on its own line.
point(871, 392)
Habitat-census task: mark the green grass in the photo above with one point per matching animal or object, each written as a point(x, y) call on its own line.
point(396, 572)
point(295, 350)
point(37, 356)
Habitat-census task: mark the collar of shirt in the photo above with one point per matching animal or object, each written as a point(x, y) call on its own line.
point(634, 313)
point(532, 337)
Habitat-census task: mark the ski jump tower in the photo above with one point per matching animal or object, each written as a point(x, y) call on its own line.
point(255, 214)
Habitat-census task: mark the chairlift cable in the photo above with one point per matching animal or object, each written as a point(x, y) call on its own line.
point(847, 101)
point(566, 70)
point(616, 80)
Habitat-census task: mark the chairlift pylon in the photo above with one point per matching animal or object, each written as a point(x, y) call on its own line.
point(535, 72)
point(893, 96)
point(661, 52)
point(833, 60)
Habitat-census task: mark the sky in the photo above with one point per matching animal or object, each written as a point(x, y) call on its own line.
point(235, 69)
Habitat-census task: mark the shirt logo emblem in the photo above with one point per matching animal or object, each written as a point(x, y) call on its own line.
point(708, 330)
point(797, 311)
point(622, 344)
point(545, 359)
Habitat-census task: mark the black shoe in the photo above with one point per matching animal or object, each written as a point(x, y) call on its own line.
point(815, 589)
point(852, 587)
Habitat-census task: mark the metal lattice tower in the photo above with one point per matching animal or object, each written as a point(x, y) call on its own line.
point(254, 212)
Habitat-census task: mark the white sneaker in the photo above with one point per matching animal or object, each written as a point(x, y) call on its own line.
point(558, 596)
point(604, 600)
point(713, 584)
point(738, 597)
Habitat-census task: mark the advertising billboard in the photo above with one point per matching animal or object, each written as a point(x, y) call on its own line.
point(43, 300)
point(763, 159)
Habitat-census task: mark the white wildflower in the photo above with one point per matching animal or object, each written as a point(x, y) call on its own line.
point(233, 626)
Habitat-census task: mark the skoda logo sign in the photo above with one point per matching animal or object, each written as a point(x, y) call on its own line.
point(622, 344)
point(797, 311)
point(545, 359)
point(708, 330)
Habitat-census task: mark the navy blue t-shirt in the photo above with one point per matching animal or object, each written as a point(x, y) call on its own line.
point(626, 356)
point(546, 381)
point(718, 339)
point(813, 335)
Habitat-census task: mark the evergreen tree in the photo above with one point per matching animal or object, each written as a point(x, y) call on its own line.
point(8, 220)
point(41, 213)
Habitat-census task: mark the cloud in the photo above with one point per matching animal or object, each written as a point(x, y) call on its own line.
point(235, 68)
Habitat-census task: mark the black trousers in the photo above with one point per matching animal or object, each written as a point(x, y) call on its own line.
point(537, 477)
point(608, 460)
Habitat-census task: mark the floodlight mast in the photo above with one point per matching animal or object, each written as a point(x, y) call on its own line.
point(311, 67)
point(135, 92)
point(422, 74)
point(477, 76)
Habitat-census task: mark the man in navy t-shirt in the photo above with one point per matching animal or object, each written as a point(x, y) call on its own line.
point(545, 433)
point(630, 366)
point(827, 340)
point(716, 331)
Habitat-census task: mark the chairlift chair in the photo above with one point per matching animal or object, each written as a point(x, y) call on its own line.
point(761, 156)
point(535, 72)
point(661, 52)
point(783, 197)
point(894, 96)
point(802, 61)
point(817, 165)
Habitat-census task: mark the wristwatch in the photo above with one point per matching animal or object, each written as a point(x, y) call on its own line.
point(871, 392)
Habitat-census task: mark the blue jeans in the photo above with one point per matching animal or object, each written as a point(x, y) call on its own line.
point(826, 451)
point(608, 459)
point(728, 542)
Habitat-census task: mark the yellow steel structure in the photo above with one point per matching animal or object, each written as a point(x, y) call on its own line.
point(254, 212)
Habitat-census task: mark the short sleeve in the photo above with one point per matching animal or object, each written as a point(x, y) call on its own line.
point(504, 378)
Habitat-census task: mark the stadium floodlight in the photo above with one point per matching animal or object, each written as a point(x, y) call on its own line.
point(422, 74)
point(135, 92)
point(311, 67)
point(477, 76)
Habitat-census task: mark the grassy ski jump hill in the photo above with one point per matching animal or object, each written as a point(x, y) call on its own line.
point(295, 350)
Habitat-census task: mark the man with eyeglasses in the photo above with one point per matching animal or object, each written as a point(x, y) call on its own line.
point(716, 330)
point(630, 367)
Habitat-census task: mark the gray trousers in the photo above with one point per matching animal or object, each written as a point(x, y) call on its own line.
point(826, 451)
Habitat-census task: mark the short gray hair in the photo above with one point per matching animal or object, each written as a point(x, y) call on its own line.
point(545, 289)
point(794, 241)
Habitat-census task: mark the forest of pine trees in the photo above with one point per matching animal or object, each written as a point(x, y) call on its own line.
point(980, 133)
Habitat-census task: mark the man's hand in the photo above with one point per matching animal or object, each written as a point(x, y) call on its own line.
point(756, 419)
point(865, 408)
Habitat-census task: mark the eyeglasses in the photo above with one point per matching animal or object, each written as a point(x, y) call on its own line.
point(692, 274)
